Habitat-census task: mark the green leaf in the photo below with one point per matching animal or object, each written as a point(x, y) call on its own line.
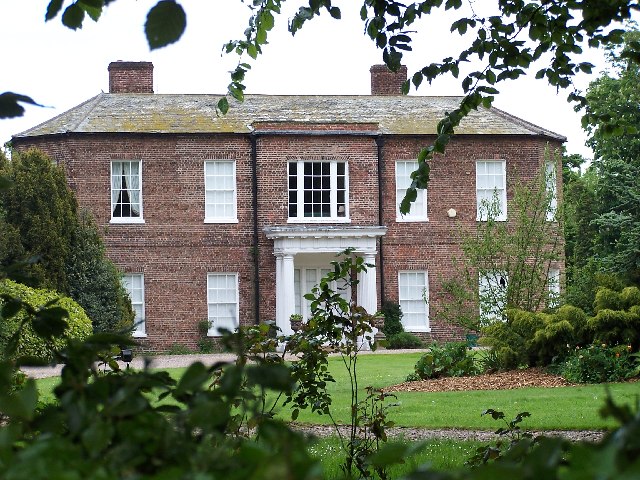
point(10, 308)
point(335, 13)
point(73, 16)
point(23, 403)
point(165, 24)
point(223, 105)
point(193, 378)
point(53, 9)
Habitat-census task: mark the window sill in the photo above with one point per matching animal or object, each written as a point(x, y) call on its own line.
point(139, 335)
point(319, 220)
point(411, 220)
point(417, 329)
point(220, 220)
point(126, 221)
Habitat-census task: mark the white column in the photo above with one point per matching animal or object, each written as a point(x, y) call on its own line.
point(285, 290)
point(367, 292)
point(279, 291)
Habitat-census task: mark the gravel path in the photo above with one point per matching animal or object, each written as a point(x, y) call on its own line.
point(414, 434)
point(177, 361)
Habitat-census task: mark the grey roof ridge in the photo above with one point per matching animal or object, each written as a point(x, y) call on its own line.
point(531, 126)
point(97, 99)
point(66, 112)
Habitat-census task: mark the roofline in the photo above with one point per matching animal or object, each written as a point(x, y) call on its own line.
point(532, 126)
point(310, 133)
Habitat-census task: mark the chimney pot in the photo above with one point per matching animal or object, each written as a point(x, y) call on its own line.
point(386, 82)
point(130, 77)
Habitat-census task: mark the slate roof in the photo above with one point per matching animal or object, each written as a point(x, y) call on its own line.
point(160, 113)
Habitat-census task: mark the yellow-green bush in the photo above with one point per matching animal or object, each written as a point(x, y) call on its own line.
point(29, 344)
point(529, 338)
point(630, 297)
point(607, 299)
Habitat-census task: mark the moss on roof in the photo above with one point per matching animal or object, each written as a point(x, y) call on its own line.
point(154, 113)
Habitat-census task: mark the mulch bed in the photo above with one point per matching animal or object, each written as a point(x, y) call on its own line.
point(530, 377)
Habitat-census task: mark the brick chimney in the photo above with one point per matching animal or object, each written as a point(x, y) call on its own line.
point(386, 82)
point(130, 77)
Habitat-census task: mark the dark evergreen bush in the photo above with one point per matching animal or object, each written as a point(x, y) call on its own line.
point(392, 318)
point(42, 221)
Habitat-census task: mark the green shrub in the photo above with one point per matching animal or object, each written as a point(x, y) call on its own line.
point(448, 360)
point(514, 340)
point(179, 349)
point(607, 299)
point(392, 319)
point(599, 363)
point(528, 338)
point(95, 282)
point(207, 345)
point(630, 297)
point(29, 344)
point(614, 327)
point(404, 340)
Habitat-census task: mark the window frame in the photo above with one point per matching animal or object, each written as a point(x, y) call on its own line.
point(213, 329)
point(553, 286)
point(140, 217)
point(212, 219)
point(485, 280)
point(140, 327)
point(502, 193)
point(302, 286)
point(551, 190)
point(426, 327)
point(413, 215)
point(333, 201)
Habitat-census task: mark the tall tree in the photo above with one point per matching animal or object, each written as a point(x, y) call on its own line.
point(616, 163)
point(42, 218)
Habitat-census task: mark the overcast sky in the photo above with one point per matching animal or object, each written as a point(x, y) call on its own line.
point(61, 68)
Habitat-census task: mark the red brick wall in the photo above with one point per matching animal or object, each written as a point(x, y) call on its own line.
point(431, 245)
point(386, 82)
point(131, 77)
point(175, 249)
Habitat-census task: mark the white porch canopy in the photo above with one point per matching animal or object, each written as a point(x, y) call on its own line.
point(290, 241)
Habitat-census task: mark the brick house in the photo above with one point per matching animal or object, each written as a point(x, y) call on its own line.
point(233, 218)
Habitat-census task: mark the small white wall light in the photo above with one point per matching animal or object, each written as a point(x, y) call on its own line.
point(452, 212)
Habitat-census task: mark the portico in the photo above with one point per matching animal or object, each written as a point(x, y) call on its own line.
point(303, 254)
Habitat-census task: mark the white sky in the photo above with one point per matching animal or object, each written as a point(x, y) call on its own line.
point(61, 68)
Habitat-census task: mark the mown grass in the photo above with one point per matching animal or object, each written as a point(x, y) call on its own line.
point(441, 454)
point(564, 408)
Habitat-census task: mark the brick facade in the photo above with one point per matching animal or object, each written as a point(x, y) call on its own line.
point(175, 249)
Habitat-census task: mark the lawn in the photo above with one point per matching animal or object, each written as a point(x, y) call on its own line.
point(564, 408)
point(440, 454)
